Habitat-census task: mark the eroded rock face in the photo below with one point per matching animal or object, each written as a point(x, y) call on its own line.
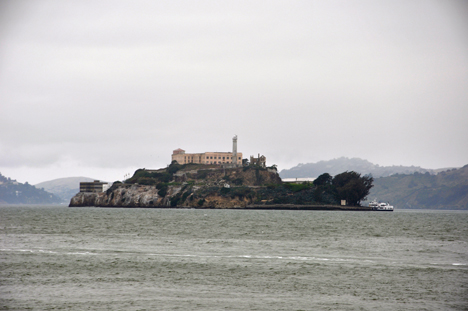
point(84, 199)
point(147, 196)
point(134, 196)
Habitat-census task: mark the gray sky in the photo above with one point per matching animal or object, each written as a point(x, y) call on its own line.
point(101, 88)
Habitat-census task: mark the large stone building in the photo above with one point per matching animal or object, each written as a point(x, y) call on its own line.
point(233, 158)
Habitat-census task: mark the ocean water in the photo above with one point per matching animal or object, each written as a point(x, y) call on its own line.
point(60, 258)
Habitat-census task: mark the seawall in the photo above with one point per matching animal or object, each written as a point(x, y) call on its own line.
point(304, 207)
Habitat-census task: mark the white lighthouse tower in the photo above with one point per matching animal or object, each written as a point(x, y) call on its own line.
point(234, 151)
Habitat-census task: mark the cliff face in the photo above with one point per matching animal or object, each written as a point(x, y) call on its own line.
point(122, 196)
point(147, 196)
point(84, 199)
point(202, 188)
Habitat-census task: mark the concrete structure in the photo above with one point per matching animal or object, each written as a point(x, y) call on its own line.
point(234, 150)
point(260, 160)
point(95, 186)
point(233, 157)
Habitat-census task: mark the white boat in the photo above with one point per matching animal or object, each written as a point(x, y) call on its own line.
point(385, 207)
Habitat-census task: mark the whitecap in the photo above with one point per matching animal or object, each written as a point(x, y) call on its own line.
point(81, 253)
point(48, 252)
point(299, 258)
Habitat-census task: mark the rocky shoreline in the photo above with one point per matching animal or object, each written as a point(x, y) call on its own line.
point(149, 199)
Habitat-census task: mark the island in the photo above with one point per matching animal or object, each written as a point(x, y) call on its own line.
point(251, 185)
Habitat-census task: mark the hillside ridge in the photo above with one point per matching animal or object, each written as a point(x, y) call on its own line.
point(14, 192)
point(446, 190)
point(65, 188)
point(338, 165)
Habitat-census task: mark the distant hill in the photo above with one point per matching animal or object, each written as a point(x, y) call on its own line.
point(64, 188)
point(446, 190)
point(13, 192)
point(340, 165)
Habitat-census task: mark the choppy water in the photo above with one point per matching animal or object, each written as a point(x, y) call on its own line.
point(168, 259)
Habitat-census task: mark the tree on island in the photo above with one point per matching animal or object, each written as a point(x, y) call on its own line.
point(353, 188)
point(324, 179)
point(324, 192)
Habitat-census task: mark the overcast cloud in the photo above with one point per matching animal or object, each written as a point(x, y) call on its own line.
point(101, 88)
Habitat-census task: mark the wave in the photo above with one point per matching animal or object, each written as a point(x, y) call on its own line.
point(328, 259)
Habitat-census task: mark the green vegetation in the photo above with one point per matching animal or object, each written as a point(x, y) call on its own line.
point(13, 192)
point(202, 174)
point(162, 189)
point(298, 187)
point(323, 180)
point(349, 186)
point(174, 167)
point(143, 177)
point(224, 191)
point(242, 192)
point(292, 193)
point(175, 200)
point(237, 181)
point(447, 189)
point(114, 186)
